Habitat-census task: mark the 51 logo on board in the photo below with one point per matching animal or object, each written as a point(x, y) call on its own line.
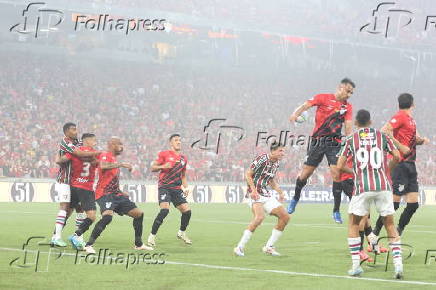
point(202, 194)
point(137, 192)
point(234, 194)
point(22, 192)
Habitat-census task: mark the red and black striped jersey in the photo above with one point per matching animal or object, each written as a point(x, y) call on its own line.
point(368, 149)
point(405, 132)
point(171, 178)
point(264, 170)
point(66, 145)
point(108, 179)
point(330, 115)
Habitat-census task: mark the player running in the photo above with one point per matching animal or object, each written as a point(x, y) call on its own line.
point(259, 177)
point(111, 199)
point(332, 111)
point(402, 129)
point(172, 187)
point(368, 148)
point(69, 144)
point(82, 182)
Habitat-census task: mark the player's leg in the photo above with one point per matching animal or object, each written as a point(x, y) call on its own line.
point(385, 208)
point(314, 156)
point(64, 195)
point(184, 222)
point(87, 202)
point(258, 217)
point(277, 210)
point(331, 155)
point(106, 218)
point(138, 218)
point(164, 205)
point(411, 191)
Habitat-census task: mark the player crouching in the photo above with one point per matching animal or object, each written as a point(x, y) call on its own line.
point(259, 176)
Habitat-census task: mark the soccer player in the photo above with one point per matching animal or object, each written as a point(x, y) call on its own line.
point(69, 144)
point(172, 187)
point(402, 129)
point(369, 148)
point(333, 110)
point(82, 182)
point(111, 199)
point(260, 181)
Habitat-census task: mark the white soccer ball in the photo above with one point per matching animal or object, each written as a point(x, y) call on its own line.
point(302, 118)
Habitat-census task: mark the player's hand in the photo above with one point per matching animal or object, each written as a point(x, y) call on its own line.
point(128, 166)
point(185, 191)
point(254, 195)
point(293, 118)
point(166, 165)
point(281, 197)
point(425, 140)
point(125, 194)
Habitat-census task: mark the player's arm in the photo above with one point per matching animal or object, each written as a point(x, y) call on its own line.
point(112, 165)
point(343, 156)
point(157, 167)
point(274, 185)
point(389, 130)
point(299, 110)
point(421, 140)
point(62, 159)
point(342, 165)
point(249, 178)
point(396, 157)
point(185, 186)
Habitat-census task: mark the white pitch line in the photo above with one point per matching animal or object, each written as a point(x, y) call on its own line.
point(318, 275)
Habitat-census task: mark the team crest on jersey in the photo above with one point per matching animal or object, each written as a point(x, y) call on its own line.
point(163, 196)
point(182, 162)
point(108, 204)
point(401, 187)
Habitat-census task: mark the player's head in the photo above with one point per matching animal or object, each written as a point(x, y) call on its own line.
point(70, 130)
point(115, 145)
point(345, 89)
point(277, 150)
point(405, 101)
point(175, 142)
point(89, 140)
point(363, 119)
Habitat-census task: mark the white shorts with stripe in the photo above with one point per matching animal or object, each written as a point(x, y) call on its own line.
point(383, 201)
point(269, 203)
point(63, 192)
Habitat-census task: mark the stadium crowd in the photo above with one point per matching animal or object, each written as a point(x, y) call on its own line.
point(144, 105)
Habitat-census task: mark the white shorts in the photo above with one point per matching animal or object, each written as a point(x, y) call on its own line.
point(383, 201)
point(269, 203)
point(63, 192)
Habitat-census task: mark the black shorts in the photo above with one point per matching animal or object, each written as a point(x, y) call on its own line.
point(86, 198)
point(320, 147)
point(348, 187)
point(120, 204)
point(171, 195)
point(405, 178)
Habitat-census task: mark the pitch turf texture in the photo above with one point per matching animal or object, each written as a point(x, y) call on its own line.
point(314, 252)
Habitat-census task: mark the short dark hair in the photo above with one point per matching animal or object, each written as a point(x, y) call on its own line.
point(173, 136)
point(405, 101)
point(346, 81)
point(67, 126)
point(275, 145)
point(363, 117)
point(87, 135)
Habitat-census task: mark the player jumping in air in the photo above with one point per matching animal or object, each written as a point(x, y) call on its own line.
point(368, 148)
point(69, 144)
point(111, 199)
point(333, 110)
point(82, 181)
point(259, 177)
point(172, 187)
point(402, 129)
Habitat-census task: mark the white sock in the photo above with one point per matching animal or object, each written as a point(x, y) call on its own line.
point(60, 222)
point(80, 217)
point(354, 247)
point(396, 252)
point(275, 235)
point(245, 238)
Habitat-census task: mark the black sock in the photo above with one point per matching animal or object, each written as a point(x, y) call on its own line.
point(99, 228)
point(337, 192)
point(159, 220)
point(368, 231)
point(407, 214)
point(298, 187)
point(137, 225)
point(184, 220)
point(362, 239)
point(84, 226)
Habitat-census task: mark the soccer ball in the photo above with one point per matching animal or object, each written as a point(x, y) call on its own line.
point(303, 117)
